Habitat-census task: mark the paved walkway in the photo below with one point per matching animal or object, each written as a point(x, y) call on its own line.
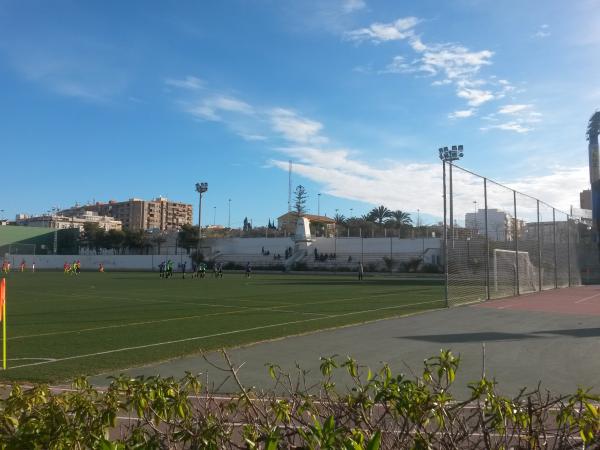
point(522, 347)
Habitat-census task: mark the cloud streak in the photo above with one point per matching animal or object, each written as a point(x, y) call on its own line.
point(345, 173)
point(189, 82)
point(402, 28)
point(450, 63)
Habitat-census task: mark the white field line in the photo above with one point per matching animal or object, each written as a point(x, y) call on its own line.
point(25, 359)
point(208, 336)
point(163, 299)
point(284, 304)
point(149, 322)
point(585, 299)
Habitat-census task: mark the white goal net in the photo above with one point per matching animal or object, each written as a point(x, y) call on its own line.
point(507, 267)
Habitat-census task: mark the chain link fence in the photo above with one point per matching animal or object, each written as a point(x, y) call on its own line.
point(500, 242)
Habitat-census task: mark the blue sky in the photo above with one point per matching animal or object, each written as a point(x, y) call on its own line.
point(111, 100)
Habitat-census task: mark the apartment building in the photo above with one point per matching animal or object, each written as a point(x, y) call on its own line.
point(136, 214)
point(60, 222)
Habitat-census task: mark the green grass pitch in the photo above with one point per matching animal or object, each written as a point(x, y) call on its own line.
point(60, 326)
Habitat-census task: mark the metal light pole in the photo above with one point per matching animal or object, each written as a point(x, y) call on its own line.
point(214, 215)
point(229, 214)
point(201, 188)
point(319, 204)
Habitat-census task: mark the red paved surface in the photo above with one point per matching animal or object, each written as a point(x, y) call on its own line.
point(582, 300)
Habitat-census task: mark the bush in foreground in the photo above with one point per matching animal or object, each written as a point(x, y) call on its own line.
point(378, 411)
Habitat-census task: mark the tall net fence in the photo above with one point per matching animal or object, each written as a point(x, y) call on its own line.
point(500, 242)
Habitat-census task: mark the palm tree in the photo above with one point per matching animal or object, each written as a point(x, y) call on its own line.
point(379, 214)
point(339, 219)
point(401, 217)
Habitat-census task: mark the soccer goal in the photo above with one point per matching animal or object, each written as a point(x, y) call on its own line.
point(504, 271)
point(21, 249)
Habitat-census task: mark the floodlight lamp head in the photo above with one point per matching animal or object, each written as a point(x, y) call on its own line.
point(201, 187)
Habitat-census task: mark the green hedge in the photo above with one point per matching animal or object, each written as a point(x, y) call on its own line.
point(380, 410)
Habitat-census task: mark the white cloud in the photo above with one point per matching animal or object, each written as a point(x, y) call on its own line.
point(455, 61)
point(410, 186)
point(522, 116)
point(382, 32)
point(230, 104)
point(295, 128)
point(398, 184)
point(203, 111)
point(513, 109)
point(189, 82)
point(211, 108)
point(462, 114)
point(515, 126)
point(417, 45)
point(452, 64)
point(559, 186)
point(406, 186)
point(475, 97)
point(399, 65)
point(542, 31)
point(350, 6)
point(253, 137)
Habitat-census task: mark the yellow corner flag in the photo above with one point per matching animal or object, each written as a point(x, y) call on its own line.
point(3, 319)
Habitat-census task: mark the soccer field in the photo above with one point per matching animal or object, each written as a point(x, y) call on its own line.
point(60, 326)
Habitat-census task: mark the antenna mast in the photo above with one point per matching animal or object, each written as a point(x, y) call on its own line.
point(290, 187)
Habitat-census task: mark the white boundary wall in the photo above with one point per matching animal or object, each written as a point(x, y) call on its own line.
point(250, 249)
point(92, 262)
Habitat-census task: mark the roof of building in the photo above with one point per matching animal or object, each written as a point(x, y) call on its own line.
point(310, 217)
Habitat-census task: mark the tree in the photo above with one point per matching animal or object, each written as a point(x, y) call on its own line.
point(134, 239)
point(379, 214)
point(300, 197)
point(247, 225)
point(115, 238)
point(94, 236)
point(339, 219)
point(188, 236)
point(401, 217)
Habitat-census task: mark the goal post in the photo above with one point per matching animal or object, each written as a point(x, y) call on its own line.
point(504, 267)
point(21, 249)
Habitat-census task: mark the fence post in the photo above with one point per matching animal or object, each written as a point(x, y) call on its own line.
point(451, 206)
point(569, 248)
point(487, 240)
point(539, 239)
point(446, 262)
point(516, 238)
point(555, 256)
point(362, 250)
point(391, 255)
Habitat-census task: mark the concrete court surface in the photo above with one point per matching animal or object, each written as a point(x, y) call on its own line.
point(552, 337)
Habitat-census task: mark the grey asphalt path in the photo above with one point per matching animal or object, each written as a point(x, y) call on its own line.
point(522, 348)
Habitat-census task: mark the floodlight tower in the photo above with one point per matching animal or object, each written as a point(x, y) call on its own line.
point(201, 188)
point(447, 156)
point(594, 152)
